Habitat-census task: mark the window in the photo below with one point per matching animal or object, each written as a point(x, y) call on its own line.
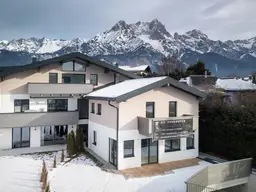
point(94, 138)
point(57, 105)
point(99, 109)
point(53, 77)
point(73, 78)
point(172, 109)
point(83, 108)
point(191, 142)
point(93, 108)
point(20, 137)
point(172, 145)
point(21, 105)
point(128, 148)
point(94, 79)
point(150, 110)
point(73, 66)
point(56, 134)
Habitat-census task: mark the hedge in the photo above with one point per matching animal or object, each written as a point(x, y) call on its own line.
point(228, 131)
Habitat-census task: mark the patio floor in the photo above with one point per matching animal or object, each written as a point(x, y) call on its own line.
point(158, 169)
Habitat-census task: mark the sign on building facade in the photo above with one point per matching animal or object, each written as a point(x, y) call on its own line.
point(172, 129)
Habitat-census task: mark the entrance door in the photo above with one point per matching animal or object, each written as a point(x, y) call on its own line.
point(149, 151)
point(112, 151)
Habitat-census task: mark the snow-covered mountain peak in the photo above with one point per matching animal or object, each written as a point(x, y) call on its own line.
point(197, 34)
point(120, 25)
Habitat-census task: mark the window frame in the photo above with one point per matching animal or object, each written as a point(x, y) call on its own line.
point(132, 154)
point(193, 142)
point(97, 79)
point(94, 138)
point(74, 74)
point(171, 145)
point(93, 108)
point(150, 103)
point(74, 62)
point(175, 108)
point(55, 77)
point(21, 104)
point(99, 112)
point(66, 100)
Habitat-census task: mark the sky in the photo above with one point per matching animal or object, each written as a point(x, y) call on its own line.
point(68, 19)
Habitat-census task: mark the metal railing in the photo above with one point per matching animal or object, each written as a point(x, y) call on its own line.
point(215, 175)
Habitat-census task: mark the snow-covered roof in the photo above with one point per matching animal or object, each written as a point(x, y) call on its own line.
point(136, 68)
point(235, 84)
point(130, 88)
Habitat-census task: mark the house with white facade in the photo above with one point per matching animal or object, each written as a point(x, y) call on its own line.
point(128, 121)
point(40, 103)
point(143, 121)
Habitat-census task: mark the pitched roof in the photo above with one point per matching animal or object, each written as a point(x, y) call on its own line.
point(135, 68)
point(67, 57)
point(203, 82)
point(130, 88)
point(234, 84)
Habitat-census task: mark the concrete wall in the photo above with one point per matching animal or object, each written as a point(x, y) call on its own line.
point(108, 114)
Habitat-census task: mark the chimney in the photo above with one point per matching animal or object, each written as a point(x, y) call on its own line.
point(115, 64)
point(205, 74)
point(34, 59)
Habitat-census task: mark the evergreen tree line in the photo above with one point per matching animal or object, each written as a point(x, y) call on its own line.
point(228, 131)
point(75, 142)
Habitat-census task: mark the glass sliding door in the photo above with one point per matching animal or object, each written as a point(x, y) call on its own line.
point(112, 151)
point(20, 137)
point(51, 135)
point(149, 151)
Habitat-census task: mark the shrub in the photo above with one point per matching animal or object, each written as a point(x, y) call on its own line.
point(79, 140)
point(47, 187)
point(62, 156)
point(54, 162)
point(44, 176)
point(71, 144)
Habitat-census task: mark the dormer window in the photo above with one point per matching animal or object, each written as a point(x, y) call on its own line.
point(73, 66)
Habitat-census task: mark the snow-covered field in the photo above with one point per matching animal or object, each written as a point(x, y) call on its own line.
point(22, 174)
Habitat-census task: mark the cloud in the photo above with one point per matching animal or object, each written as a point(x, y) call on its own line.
point(219, 19)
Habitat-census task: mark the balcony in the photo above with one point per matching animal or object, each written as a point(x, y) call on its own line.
point(30, 119)
point(169, 127)
point(57, 89)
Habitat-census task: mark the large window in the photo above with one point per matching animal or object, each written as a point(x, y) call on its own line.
point(99, 109)
point(51, 135)
point(20, 137)
point(53, 77)
point(21, 105)
point(172, 109)
point(128, 148)
point(94, 138)
point(191, 142)
point(73, 78)
point(57, 105)
point(94, 79)
point(172, 145)
point(73, 66)
point(150, 110)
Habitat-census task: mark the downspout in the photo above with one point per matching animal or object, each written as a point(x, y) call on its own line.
point(117, 130)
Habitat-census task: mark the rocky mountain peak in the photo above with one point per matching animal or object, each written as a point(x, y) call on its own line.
point(120, 25)
point(195, 33)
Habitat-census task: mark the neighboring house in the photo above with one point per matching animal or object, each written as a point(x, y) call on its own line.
point(237, 89)
point(41, 102)
point(144, 121)
point(140, 70)
point(204, 83)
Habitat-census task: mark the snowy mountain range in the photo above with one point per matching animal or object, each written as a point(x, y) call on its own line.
point(140, 43)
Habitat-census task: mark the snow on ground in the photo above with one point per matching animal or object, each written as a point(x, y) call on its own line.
point(19, 174)
point(22, 174)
